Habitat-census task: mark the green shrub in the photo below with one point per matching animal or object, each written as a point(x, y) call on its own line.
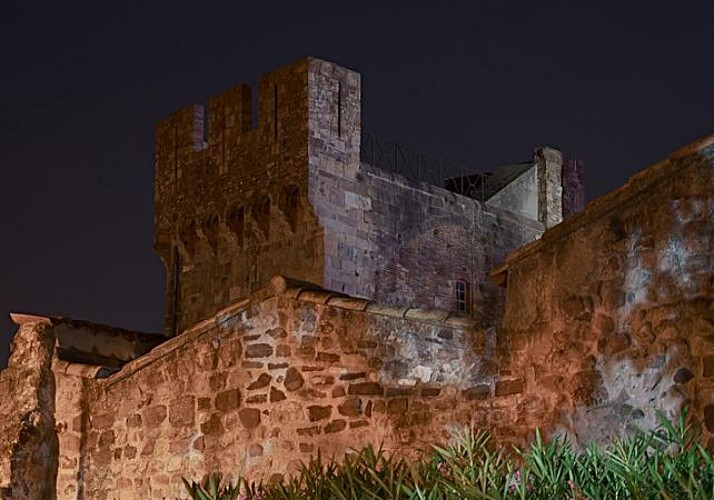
point(667, 463)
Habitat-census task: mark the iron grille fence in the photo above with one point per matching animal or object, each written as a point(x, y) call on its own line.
point(416, 166)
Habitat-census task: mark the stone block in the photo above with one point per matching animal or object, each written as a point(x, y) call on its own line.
point(283, 351)
point(212, 426)
point(227, 400)
point(249, 417)
point(683, 375)
point(477, 392)
point(327, 357)
point(309, 431)
point(256, 399)
point(588, 388)
point(351, 407)
point(276, 395)
point(316, 413)
point(293, 380)
point(258, 351)
point(335, 426)
point(430, 392)
point(181, 411)
point(359, 423)
point(509, 387)
point(102, 421)
point(365, 389)
point(106, 439)
point(133, 421)
point(262, 381)
point(154, 416)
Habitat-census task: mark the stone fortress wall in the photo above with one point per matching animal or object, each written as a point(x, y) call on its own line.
point(609, 318)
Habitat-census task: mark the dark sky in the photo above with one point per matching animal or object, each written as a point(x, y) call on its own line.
point(483, 84)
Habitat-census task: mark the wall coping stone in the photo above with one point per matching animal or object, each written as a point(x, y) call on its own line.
point(644, 180)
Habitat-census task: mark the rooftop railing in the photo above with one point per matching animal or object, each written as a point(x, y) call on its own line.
point(416, 166)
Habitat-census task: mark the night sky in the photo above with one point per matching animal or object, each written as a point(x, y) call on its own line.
point(83, 87)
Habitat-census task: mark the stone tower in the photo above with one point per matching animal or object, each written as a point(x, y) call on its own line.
point(232, 209)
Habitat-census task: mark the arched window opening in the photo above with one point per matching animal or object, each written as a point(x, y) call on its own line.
point(236, 223)
point(261, 214)
point(290, 205)
point(210, 230)
point(461, 291)
point(187, 235)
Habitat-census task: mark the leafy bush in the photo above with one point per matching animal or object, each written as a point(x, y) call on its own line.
point(667, 463)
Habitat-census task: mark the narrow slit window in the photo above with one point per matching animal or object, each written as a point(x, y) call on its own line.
point(261, 214)
point(236, 223)
point(462, 296)
point(290, 204)
point(176, 163)
point(275, 111)
point(339, 109)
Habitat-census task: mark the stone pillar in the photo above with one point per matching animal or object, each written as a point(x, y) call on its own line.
point(549, 163)
point(28, 440)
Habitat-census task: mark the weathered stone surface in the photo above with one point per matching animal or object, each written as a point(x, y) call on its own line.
point(249, 417)
point(316, 413)
point(181, 410)
point(256, 399)
point(351, 407)
point(154, 415)
point(293, 380)
point(509, 387)
point(365, 389)
point(335, 426)
point(683, 375)
point(258, 351)
point(227, 400)
point(262, 381)
point(276, 395)
point(588, 388)
point(478, 392)
point(708, 366)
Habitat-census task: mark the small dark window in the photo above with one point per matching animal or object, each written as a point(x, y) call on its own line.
point(462, 296)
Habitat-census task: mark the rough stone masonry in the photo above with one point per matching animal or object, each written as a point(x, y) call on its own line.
point(316, 301)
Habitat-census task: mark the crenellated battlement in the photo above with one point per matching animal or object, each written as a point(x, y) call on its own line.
point(231, 200)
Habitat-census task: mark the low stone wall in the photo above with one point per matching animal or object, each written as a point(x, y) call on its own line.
point(268, 383)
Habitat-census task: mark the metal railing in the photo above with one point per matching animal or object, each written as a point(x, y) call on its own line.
point(416, 166)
